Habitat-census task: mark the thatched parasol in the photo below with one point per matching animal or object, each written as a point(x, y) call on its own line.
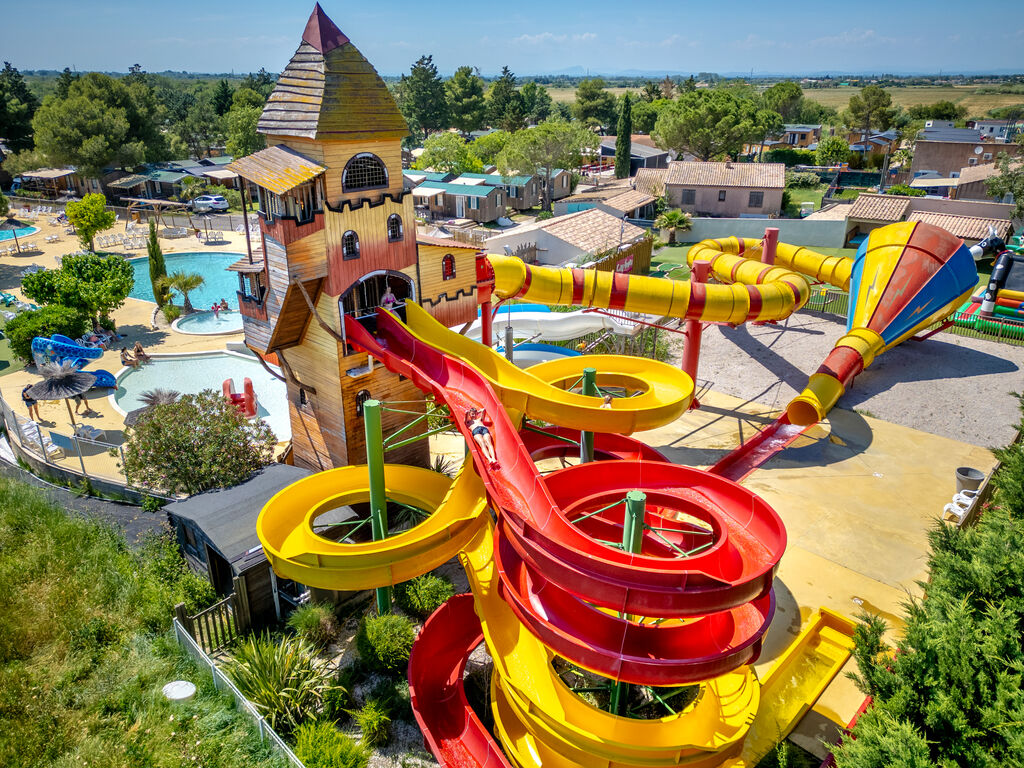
point(61, 381)
point(151, 398)
point(13, 225)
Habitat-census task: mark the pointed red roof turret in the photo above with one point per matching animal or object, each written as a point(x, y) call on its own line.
point(322, 33)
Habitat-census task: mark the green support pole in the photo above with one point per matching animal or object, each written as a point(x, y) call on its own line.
point(632, 541)
point(378, 500)
point(587, 438)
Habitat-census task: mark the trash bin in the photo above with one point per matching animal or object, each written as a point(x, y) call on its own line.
point(968, 479)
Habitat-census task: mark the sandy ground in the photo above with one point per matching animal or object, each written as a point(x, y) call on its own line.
point(947, 385)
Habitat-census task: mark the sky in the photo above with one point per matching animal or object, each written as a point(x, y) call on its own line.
point(530, 36)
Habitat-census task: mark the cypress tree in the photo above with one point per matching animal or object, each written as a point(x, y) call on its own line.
point(157, 266)
point(623, 139)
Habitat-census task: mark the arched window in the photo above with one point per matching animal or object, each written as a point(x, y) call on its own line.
point(350, 245)
point(361, 397)
point(364, 171)
point(448, 267)
point(394, 228)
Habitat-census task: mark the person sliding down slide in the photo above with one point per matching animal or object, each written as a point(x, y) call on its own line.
point(481, 434)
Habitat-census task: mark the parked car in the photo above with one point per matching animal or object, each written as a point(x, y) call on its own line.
point(209, 203)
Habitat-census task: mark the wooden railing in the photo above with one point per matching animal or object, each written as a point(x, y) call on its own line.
point(219, 625)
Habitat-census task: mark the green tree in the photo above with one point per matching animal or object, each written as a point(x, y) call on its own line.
point(5, 206)
point(223, 95)
point(64, 81)
point(505, 108)
point(537, 102)
point(623, 139)
point(940, 110)
point(247, 97)
point(673, 220)
point(423, 100)
point(201, 129)
point(466, 100)
point(904, 189)
point(594, 106)
point(538, 150)
point(243, 138)
point(94, 285)
point(645, 114)
point(650, 92)
point(157, 266)
point(870, 110)
point(17, 107)
point(45, 321)
point(198, 443)
point(89, 216)
point(784, 98)
point(184, 283)
point(832, 150)
point(712, 123)
point(1009, 181)
point(490, 145)
point(447, 152)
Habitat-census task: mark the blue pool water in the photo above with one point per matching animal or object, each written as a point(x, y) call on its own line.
point(8, 234)
point(207, 323)
point(189, 374)
point(220, 284)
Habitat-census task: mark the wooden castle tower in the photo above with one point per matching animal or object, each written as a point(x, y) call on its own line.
point(339, 228)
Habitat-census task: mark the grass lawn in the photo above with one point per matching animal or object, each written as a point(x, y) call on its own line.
point(8, 362)
point(807, 195)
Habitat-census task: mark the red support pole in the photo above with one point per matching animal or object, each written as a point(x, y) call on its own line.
point(693, 329)
point(771, 240)
point(484, 289)
point(486, 321)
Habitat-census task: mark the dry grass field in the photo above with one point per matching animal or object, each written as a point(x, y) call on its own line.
point(568, 95)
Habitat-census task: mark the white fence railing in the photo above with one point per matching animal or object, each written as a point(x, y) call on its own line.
point(222, 683)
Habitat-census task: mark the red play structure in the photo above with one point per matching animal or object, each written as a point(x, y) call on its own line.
point(245, 402)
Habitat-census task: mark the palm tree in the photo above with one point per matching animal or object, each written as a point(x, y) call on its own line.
point(673, 220)
point(158, 396)
point(183, 282)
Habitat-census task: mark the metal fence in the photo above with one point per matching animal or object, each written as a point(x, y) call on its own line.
point(222, 683)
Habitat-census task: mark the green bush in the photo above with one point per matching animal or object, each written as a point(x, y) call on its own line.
point(171, 312)
point(315, 623)
point(394, 696)
point(424, 594)
point(321, 745)
point(149, 503)
point(281, 678)
point(45, 322)
point(374, 723)
point(384, 642)
point(544, 215)
point(790, 157)
point(802, 180)
point(904, 189)
point(336, 703)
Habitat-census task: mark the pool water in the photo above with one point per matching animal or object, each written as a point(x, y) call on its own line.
point(190, 374)
point(8, 234)
point(206, 323)
point(213, 266)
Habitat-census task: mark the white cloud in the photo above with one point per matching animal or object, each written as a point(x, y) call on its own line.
point(855, 38)
point(548, 38)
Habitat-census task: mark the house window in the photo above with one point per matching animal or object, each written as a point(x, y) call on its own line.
point(474, 203)
point(756, 200)
point(350, 245)
point(394, 228)
point(498, 199)
point(688, 197)
point(721, 195)
point(250, 286)
point(364, 171)
point(512, 193)
point(565, 181)
point(190, 539)
point(448, 267)
point(987, 156)
point(361, 397)
point(972, 161)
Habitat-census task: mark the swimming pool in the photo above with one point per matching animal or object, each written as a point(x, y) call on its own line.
point(8, 234)
point(208, 324)
point(212, 265)
point(192, 373)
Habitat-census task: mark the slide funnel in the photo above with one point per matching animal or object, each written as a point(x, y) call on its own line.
point(905, 277)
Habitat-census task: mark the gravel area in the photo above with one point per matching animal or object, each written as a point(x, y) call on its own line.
point(949, 385)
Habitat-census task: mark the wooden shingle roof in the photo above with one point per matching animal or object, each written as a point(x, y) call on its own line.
point(330, 91)
point(278, 168)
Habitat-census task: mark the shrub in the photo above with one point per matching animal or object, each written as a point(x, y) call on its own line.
point(790, 157)
point(195, 444)
point(374, 723)
point(315, 623)
point(45, 322)
point(149, 503)
point(321, 745)
point(281, 678)
point(802, 180)
point(171, 312)
point(394, 696)
point(384, 642)
point(424, 594)
point(904, 189)
point(544, 215)
point(336, 702)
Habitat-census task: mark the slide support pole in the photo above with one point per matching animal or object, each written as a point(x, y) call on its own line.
point(771, 240)
point(587, 438)
point(632, 541)
point(693, 329)
point(378, 500)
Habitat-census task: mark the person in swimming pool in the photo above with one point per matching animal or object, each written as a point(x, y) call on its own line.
point(481, 434)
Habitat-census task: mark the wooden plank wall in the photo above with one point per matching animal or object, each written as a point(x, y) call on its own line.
point(375, 252)
point(450, 301)
point(286, 230)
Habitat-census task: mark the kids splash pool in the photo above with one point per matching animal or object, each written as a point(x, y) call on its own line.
point(212, 265)
point(209, 324)
point(194, 372)
point(8, 234)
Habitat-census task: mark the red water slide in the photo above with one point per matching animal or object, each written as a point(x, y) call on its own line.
point(551, 569)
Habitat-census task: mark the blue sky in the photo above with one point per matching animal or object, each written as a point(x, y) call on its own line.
point(531, 36)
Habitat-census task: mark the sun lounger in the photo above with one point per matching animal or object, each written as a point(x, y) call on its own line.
point(89, 432)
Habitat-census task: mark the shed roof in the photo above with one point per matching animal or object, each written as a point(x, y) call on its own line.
point(469, 190)
point(329, 90)
point(712, 174)
point(129, 181)
point(48, 173)
point(874, 207)
point(937, 181)
point(277, 168)
point(592, 231)
point(974, 173)
point(651, 181)
point(426, 175)
point(227, 517)
point(496, 179)
point(629, 200)
point(964, 227)
point(220, 173)
point(636, 148)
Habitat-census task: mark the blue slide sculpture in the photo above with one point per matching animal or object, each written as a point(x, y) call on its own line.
point(58, 349)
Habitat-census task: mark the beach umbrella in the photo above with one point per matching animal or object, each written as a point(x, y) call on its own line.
point(151, 398)
point(60, 382)
point(13, 225)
